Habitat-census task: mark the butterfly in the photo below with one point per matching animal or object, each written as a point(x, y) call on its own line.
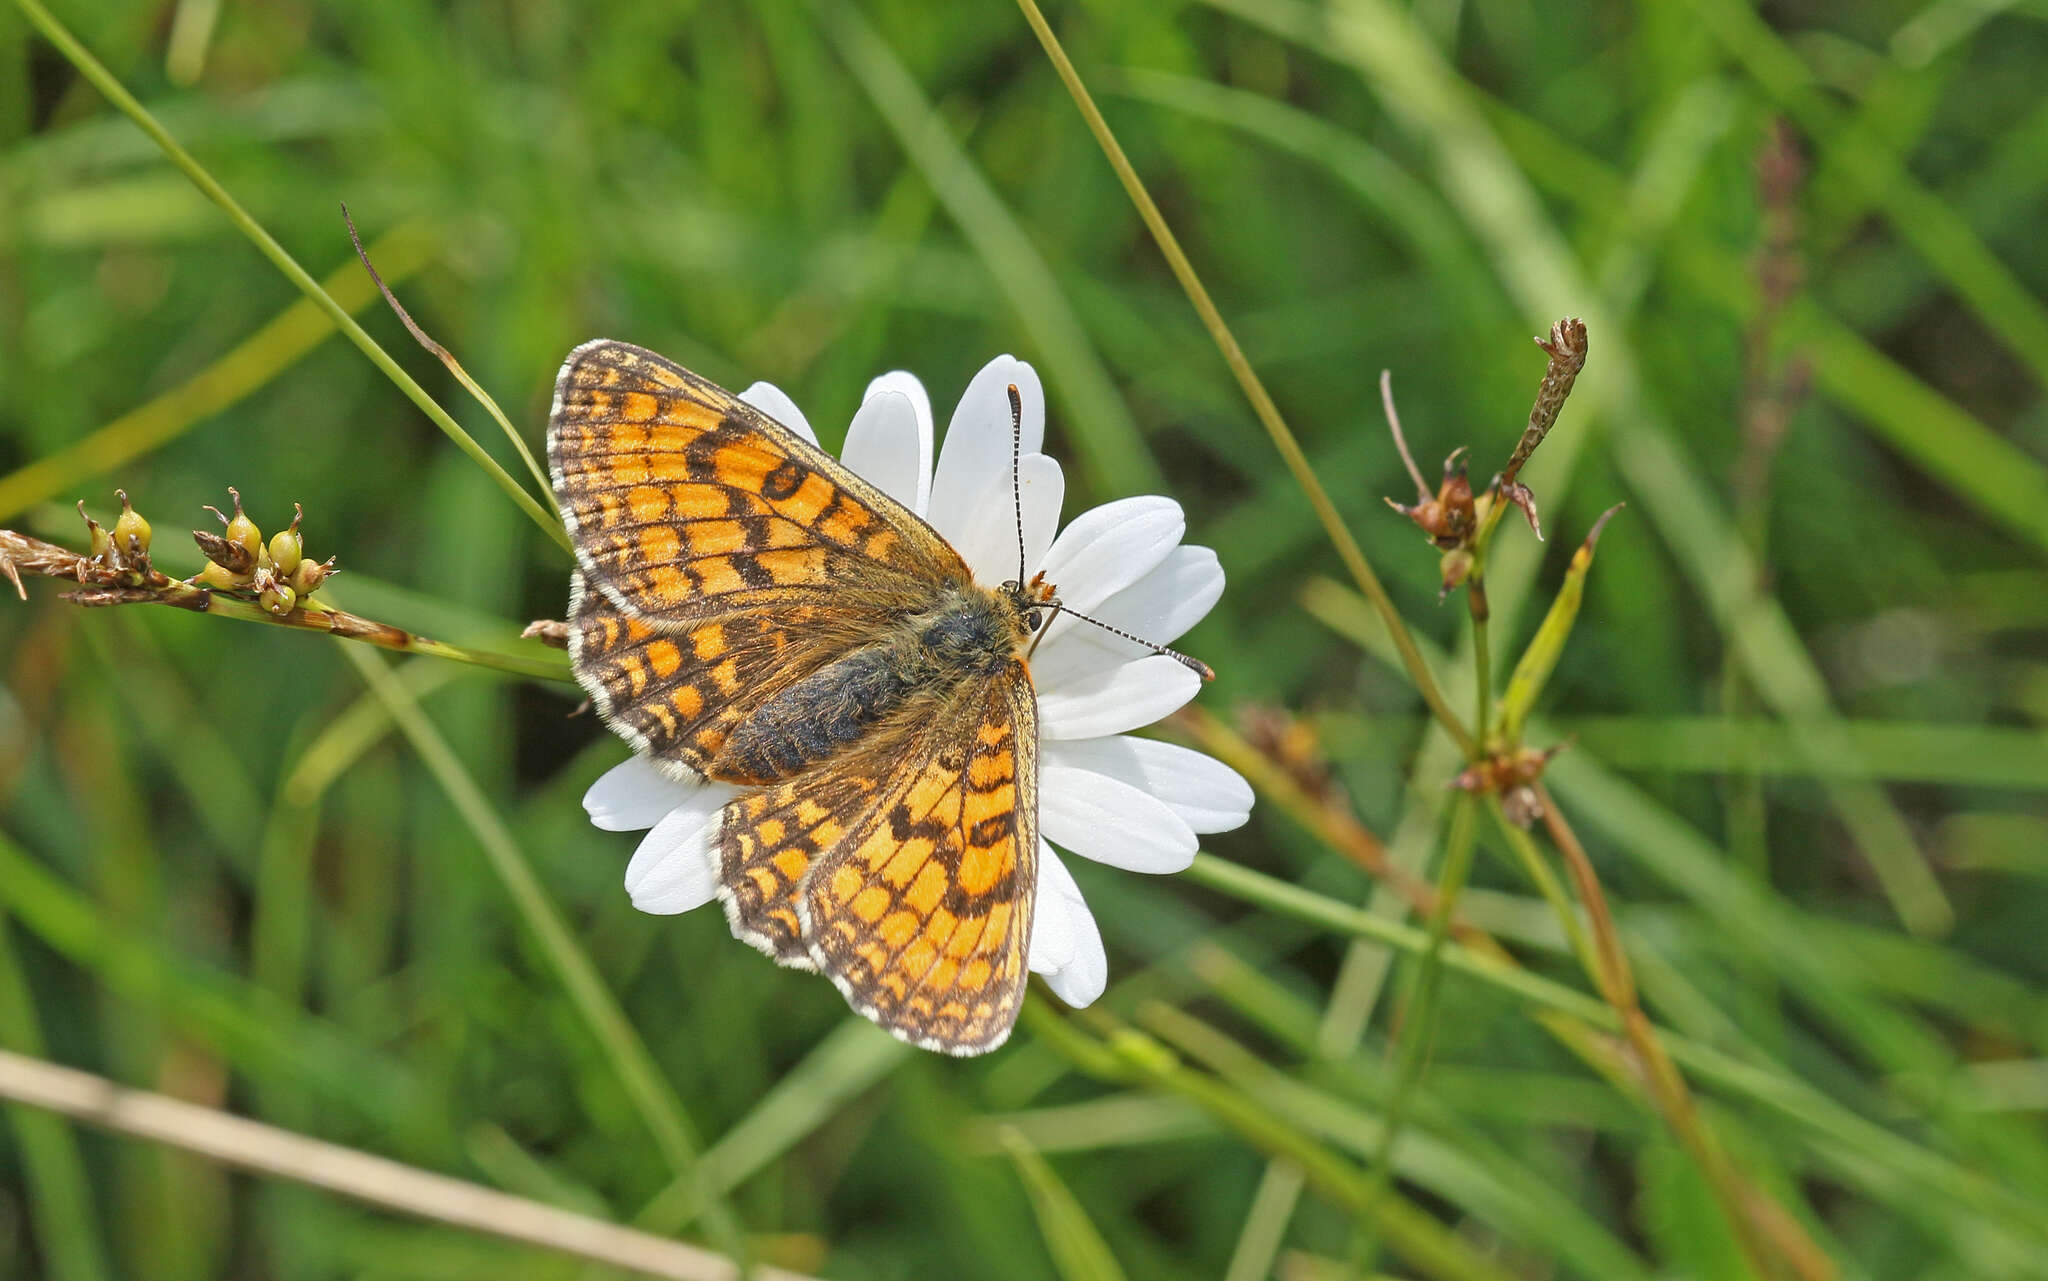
point(747, 610)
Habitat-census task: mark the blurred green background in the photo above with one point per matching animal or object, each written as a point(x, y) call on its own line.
point(1809, 687)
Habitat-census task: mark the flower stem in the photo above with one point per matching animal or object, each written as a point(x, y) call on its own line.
point(1419, 1023)
point(21, 554)
point(1268, 413)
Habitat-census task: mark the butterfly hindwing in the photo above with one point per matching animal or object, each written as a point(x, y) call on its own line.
point(921, 911)
point(676, 691)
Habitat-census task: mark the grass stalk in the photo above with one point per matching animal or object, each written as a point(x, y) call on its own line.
point(1418, 1022)
point(115, 92)
point(59, 1195)
point(1348, 550)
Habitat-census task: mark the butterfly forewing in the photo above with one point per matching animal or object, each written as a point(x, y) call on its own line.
point(681, 495)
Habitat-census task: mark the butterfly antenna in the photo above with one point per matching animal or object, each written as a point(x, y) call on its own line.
point(1189, 661)
point(1017, 472)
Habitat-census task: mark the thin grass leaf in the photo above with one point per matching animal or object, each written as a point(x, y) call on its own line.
point(1104, 434)
point(1078, 1250)
point(103, 80)
point(66, 1223)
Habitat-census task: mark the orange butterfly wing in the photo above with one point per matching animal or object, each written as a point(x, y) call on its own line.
point(906, 870)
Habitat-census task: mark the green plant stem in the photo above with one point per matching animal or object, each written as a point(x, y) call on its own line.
point(1418, 1025)
point(1482, 653)
point(1348, 550)
point(1131, 1056)
point(22, 554)
point(659, 1108)
point(1523, 847)
point(105, 81)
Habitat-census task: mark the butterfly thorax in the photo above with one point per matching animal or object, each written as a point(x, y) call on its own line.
point(969, 633)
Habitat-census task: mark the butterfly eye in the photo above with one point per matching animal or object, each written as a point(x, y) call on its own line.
point(1034, 618)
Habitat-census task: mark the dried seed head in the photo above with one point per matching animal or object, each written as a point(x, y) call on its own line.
point(1449, 518)
point(232, 558)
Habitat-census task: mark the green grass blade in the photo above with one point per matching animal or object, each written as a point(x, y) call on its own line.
point(1101, 429)
point(1078, 1251)
point(60, 1200)
point(652, 1097)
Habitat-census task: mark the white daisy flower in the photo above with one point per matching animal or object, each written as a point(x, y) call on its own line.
point(1133, 803)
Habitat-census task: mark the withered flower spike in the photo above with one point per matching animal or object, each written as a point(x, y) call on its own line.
point(548, 631)
point(298, 514)
point(225, 552)
point(1566, 347)
point(1519, 494)
point(218, 514)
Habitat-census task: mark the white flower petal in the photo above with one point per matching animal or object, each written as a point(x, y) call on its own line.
point(906, 385)
point(1162, 605)
point(1208, 795)
point(772, 401)
point(1055, 924)
point(675, 868)
point(1111, 821)
point(989, 543)
point(633, 795)
point(1111, 702)
point(977, 445)
point(1108, 548)
point(885, 446)
point(1086, 972)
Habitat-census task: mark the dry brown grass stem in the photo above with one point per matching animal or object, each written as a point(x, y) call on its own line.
point(374, 1180)
point(1769, 1236)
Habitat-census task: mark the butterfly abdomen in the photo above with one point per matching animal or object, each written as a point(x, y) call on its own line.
point(966, 634)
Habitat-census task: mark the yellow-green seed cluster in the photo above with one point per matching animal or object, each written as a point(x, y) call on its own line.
point(239, 559)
